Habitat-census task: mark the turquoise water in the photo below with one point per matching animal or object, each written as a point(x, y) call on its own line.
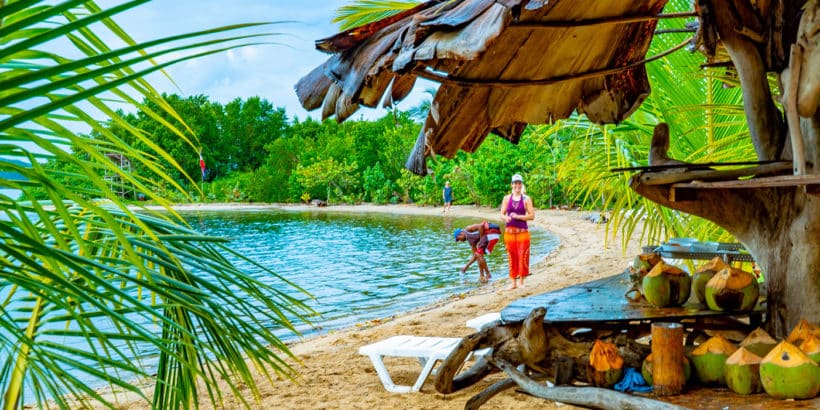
point(359, 267)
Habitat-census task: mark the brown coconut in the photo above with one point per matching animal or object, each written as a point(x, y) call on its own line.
point(759, 342)
point(742, 372)
point(605, 364)
point(709, 358)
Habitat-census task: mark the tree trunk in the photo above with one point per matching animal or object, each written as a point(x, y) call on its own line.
point(780, 226)
point(781, 229)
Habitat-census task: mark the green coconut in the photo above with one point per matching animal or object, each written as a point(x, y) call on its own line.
point(742, 372)
point(605, 366)
point(646, 369)
point(709, 358)
point(703, 275)
point(758, 342)
point(666, 285)
point(811, 347)
point(732, 289)
point(644, 262)
point(788, 373)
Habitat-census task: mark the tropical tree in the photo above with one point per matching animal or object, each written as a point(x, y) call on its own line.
point(704, 110)
point(87, 283)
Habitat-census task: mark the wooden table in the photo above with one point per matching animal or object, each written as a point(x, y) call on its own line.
point(601, 304)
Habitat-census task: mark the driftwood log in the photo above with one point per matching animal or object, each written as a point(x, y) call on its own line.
point(541, 349)
point(593, 397)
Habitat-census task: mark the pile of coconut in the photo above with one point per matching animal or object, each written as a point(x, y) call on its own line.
point(789, 369)
point(717, 285)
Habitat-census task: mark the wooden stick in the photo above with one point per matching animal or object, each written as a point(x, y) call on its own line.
point(593, 397)
point(792, 118)
point(663, 178)
point(691, 166)
point(668, 378)
point(479, 399)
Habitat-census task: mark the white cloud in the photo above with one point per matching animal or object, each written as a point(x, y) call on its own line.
point(267, 70)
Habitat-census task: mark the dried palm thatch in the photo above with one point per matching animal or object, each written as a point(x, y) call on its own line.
point(502, 64)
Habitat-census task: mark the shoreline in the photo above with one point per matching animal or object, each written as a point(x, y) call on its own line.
point(331, 373)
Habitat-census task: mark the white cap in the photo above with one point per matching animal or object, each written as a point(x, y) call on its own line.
point(517, 178)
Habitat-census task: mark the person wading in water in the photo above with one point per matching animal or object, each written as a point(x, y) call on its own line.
point(482, 239)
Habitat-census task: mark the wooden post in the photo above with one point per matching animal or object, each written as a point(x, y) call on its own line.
point(564, 371)
point(667, 359)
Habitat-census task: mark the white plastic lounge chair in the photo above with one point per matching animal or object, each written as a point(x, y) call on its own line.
point(428, 350)
point(483, 320)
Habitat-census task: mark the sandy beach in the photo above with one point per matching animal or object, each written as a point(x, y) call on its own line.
point(333, 375)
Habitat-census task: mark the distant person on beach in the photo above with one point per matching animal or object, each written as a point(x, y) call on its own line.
point(516, 210)
point(447, 195)
point(482, 238)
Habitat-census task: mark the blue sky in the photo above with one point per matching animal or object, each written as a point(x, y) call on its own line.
point(269, 71)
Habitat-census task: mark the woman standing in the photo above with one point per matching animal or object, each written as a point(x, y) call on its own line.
point(516, 210)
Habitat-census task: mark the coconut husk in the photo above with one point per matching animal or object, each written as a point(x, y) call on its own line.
point(731, 278)
point(605, 364)
point(605, 356)
point(811, 347)
point(742, 356)
point(786, 354)
point(801, 332)
point(661, 268)
point(759, 342)
point(714, 265)
point(715, 344)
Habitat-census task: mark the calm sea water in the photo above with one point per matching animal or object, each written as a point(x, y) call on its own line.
point(359, 267)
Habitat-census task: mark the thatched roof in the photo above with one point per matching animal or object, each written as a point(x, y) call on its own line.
point(502, 64)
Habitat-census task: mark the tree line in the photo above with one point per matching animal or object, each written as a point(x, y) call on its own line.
point(253, 152)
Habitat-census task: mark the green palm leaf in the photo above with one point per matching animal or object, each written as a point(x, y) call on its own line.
point(706, 122)
point(361, 12)
point(87, 283)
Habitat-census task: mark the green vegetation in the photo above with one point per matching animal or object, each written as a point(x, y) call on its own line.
point(254, 153)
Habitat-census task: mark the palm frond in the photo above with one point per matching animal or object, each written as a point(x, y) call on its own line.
point(86, 282)
point(707, 124)
point(361, 12)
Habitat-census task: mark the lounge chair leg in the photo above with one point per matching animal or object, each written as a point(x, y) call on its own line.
point(425, 371)
point(384, 376)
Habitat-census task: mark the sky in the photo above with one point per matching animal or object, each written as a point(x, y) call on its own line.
point(269, 71)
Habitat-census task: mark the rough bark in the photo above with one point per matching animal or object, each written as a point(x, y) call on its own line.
point(479, 399)
point(780, 226)
point(667, 359)
point(532, 344)
point(592, 397)
point(765, 124)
